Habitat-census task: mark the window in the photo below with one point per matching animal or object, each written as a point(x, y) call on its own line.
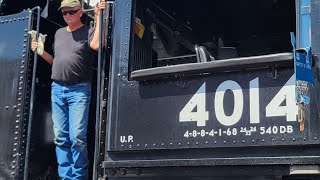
point(169, 33)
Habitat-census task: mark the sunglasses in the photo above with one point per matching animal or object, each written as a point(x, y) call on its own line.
point(71, 12)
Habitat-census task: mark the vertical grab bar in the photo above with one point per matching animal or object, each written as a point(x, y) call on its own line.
point(32, 97)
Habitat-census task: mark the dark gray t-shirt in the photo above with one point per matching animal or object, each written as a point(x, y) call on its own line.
point(72, 55)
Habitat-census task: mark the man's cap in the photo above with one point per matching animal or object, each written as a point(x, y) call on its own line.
point(69, 3)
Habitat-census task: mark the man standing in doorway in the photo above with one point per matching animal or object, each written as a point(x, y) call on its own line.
point(71, 88)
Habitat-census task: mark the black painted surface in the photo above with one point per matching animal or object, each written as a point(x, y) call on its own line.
point(13, 105)
point(149, 111)
point(152, 114)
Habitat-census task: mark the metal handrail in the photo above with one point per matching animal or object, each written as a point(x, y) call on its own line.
point(35, 62)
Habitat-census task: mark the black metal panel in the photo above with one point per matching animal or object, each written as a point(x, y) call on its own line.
point(148, 114)
point(119, 62)
point(13, 75)
point(153, 108)
point(149, 111)
point(200, 173)
point(267, 155)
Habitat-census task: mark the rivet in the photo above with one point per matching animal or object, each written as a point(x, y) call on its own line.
point(263, 140)
point(283, 139)
point(315, 138)
point(122, 145)
point(162, 144)
point(252, 141)
point(293, 139)
point(234, 142)
point(224, 142)
point(206, 142)
point(154, 144)
point(138, 145)
point(272, 139)
point(188, 143)
point(197, 143)
point(12, 173)
point(215, 142)
point(119, 75)
point(304, 139)
point(179, 144)
point(243, 141)
point(146, 145)
point(7, 107)
point(138, 171)
point(130, 146)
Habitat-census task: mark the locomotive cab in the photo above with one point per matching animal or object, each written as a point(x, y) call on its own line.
point(189, 91)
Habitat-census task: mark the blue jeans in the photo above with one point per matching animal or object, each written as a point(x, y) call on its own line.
point(70, 111)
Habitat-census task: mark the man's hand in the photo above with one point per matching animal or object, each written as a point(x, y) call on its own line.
point(99, 6)
point(34, 45)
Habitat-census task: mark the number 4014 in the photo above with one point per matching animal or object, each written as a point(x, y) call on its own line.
point(273, 109)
